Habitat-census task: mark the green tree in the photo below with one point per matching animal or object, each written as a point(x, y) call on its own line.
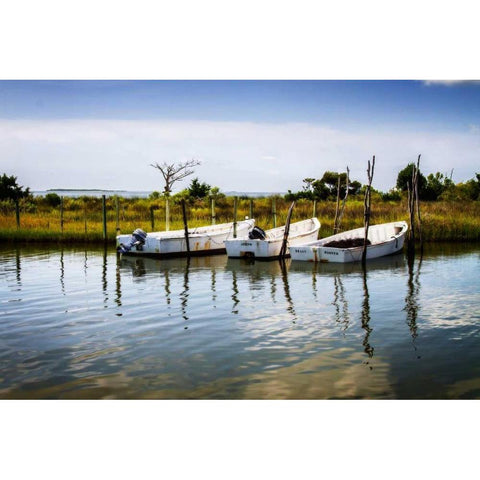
point(436, 185)
point(197, 189)
point(404, 180)
point(10, 190)
point(53, 199)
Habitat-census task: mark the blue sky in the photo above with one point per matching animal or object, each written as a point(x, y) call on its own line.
point(249, 135)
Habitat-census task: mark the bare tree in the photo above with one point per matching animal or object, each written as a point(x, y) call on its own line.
point(173, 172)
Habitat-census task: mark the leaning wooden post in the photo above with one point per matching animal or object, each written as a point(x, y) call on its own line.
point(283, 249)
point(337, 207)
point(235, 201)
point(338, 219)
point(185, 227)
point(411, 211)
point(17, 212)
point(61, 214)
point(367, 204)
point(274, 212)
point(417, 198)
point(104, 217)
point(212, 205)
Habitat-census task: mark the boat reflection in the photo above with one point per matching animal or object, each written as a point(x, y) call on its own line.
point(383, 263)
point(250, 280)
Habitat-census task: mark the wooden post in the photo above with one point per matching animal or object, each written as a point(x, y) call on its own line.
point(283, 250)
point(61, 214)
point(185, 227)
point(339, 214)
point(104, 218)
point(17, 212)
point(274, 212)
point(314, 208)
point(251, 208)
point(152, 218)
point(417, 197)
point(367, 203)
point(235, 202)
point(337, 207)
point(167, 213)
point(212, 204)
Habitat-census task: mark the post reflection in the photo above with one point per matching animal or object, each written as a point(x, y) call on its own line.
point(235, 299)
point(184, 294)
point(286, 288)
point(62, 272)
point(18, 268)
point(104, 278)
point(365, 316)
point(340, 303)
point(411, 300)
point(118, 285)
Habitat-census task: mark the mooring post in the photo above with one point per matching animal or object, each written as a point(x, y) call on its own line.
point(61, 214)
point(104, 217)
point(367, 203)
point(212, 205)
point(274, 212)
point(185, 227)
point(283, 250)
point(251, 208)
point(235, 204)
point(314, 208)
point(17, 212)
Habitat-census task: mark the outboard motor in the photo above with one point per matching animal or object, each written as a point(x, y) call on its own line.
point(137, 241)
point(256, 233)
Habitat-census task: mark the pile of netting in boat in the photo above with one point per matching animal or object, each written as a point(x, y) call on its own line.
point(347, 243)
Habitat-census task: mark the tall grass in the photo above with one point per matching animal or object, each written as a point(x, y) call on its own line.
point(82, 218)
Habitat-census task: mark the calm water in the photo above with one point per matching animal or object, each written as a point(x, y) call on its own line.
point(84, 324)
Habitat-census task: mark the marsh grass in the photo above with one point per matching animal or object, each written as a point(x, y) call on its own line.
point(82, 218)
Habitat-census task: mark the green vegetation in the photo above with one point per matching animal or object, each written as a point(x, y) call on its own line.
point(450, 212)
point(450, 220)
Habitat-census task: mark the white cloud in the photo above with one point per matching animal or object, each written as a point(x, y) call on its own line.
point(242, 156)
point(450, 83)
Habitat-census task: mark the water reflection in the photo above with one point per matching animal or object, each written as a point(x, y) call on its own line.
point(340, 302)
point(104, 278)
point(184, 293)
point(62, 271)
point(286, 288)
point(255, 329)
point(366, 317)
point(412, 299)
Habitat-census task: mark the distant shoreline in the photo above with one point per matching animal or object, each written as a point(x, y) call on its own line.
point(78, 192)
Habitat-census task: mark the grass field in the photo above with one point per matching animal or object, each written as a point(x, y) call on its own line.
point(83, 218)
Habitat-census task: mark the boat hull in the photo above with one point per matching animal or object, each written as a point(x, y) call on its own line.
point(270, 247)
point(201, 241)
point(380, 247)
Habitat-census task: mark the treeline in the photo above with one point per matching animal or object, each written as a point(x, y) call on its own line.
point(433, 187)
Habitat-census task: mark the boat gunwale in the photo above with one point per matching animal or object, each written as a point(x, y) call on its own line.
point(343, 249)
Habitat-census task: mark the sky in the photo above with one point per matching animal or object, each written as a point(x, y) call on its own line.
point(249, 135)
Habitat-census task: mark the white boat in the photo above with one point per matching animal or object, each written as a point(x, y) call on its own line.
point(208, 240)
point(385, 239)
point(270, 242)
